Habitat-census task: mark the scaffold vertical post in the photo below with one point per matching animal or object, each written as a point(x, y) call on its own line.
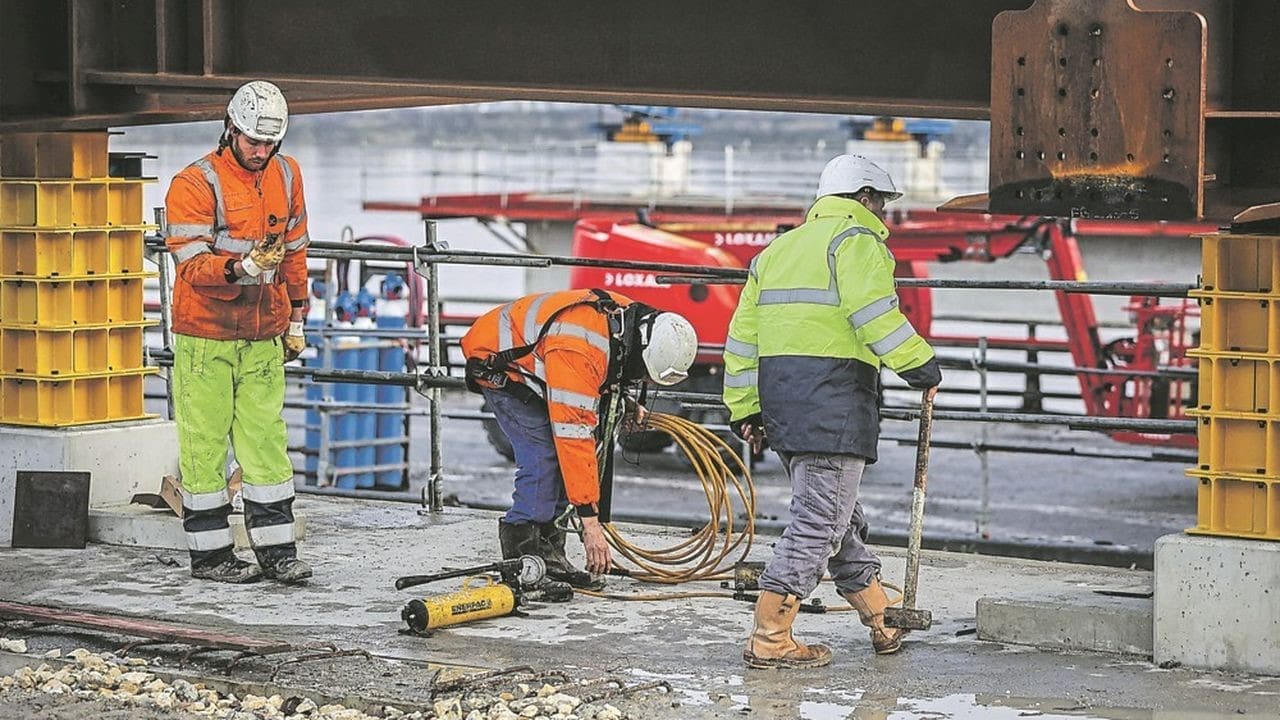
point(434, 490)
point(1032, 395)
point(324, 466)
point(984, 505)
point(166, 303)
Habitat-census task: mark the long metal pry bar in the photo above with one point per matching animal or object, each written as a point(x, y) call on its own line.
point(907, 616)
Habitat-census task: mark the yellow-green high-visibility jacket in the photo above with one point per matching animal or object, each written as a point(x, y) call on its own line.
point(817, 318)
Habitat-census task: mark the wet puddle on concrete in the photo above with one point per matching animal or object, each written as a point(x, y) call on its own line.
point(833, 704)
point(978, 707)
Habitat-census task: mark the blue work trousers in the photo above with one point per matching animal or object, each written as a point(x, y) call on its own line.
point(539, 495)
point(827, 530)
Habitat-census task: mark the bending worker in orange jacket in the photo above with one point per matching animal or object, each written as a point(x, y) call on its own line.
point(552, 367)
point(238, 235)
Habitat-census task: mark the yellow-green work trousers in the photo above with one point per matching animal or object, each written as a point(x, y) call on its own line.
point(232, 388)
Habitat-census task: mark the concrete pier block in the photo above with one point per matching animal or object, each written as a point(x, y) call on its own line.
point(123, 458)
point(1217, 603)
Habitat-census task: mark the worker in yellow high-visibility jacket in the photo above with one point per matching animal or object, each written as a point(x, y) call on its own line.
point(817, 319)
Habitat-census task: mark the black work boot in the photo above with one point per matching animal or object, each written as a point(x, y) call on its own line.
point(519, 539)
point(225, 567)
point(558, 566)
point(281, 563)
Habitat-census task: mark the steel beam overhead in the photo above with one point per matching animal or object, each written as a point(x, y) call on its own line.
point(75, 62)
point(1128, 109)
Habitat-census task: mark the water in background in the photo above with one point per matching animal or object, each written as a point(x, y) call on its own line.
point(352, 157)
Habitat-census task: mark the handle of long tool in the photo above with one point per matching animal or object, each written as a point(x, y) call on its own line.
point(917, 499)
point(409, 581)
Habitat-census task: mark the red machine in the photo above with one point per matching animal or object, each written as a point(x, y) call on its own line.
point(1120, 380)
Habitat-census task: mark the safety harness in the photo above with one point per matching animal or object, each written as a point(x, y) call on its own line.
point(624, 341)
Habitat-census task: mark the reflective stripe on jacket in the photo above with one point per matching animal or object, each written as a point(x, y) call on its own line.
point(572, 360)
point(817, 318)
point(216, 211)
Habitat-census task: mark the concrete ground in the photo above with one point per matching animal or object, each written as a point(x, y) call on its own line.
point(359, 547)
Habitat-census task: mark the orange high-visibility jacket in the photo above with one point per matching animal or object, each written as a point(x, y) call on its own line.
point(572, 360)
point(216, 212)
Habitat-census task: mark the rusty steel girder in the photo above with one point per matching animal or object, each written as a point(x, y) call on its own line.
point(1154, 109)
point(1101, 111)
point(1134, 109)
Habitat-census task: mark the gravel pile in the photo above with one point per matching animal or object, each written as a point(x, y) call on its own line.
point(95, 676)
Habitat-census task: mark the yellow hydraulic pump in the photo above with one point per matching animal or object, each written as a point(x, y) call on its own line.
point(481, 596)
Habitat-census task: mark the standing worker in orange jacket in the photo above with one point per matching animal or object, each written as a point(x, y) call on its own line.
point(552, 367)
point(237, 230)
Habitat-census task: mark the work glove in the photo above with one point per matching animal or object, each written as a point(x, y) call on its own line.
point(926, 376)
point(266, 255)
point(751, 429)
point(294, 342)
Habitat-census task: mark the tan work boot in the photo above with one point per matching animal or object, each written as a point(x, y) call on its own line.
point(870, 603)
point(771, 644)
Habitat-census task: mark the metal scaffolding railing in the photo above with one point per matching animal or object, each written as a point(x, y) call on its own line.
point(433, 379)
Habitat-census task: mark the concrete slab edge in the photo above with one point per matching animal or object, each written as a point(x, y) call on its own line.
point(1063, 626)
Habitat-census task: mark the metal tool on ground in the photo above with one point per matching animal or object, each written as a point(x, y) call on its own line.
point(908, 617)
point(525, 570)
point(158, 631)
point(745, 586)
point(519, 583)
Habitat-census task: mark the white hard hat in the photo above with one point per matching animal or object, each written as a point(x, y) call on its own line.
point(669, 349)
point(847, 174)
point(258, 109)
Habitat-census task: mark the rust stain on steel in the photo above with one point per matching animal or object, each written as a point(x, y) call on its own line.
point(1098, 111)
point(137, 627)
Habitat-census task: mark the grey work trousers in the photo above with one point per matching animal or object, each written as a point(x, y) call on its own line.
point(827, 528)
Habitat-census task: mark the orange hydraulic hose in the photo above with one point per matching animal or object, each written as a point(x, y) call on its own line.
point(710, 553)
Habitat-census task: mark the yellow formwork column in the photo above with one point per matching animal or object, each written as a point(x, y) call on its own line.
point(1239, 390)
point(71, 283)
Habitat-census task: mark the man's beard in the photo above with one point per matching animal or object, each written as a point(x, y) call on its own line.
point(235, 151)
